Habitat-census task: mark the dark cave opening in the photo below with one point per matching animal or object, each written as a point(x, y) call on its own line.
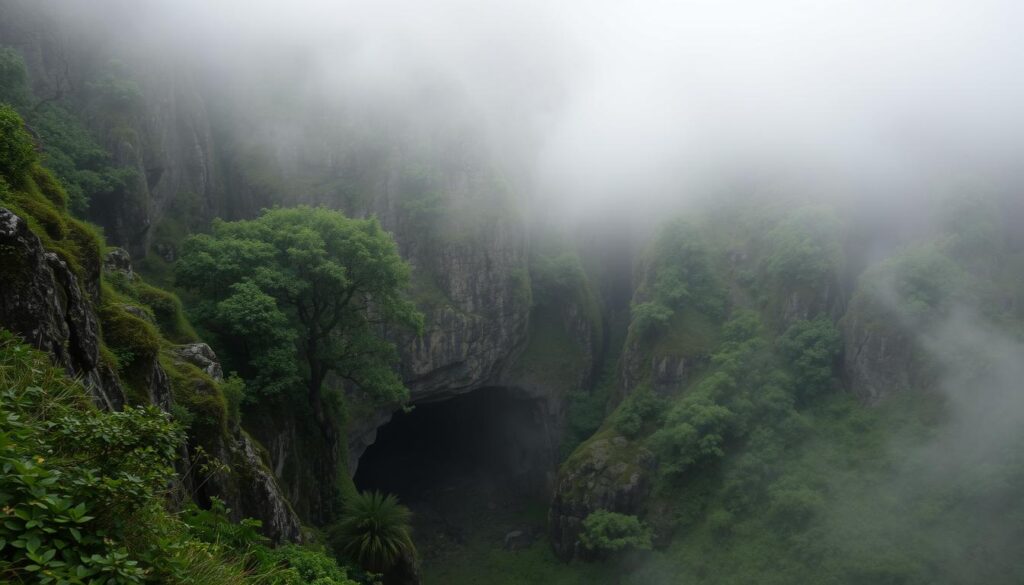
point(474, 466)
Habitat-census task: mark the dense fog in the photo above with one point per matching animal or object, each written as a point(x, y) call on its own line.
point(599, 105)
point(900, 123)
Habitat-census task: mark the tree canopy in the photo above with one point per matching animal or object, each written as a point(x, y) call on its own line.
point(299, 294)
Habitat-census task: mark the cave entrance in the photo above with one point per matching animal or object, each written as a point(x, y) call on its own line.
point(471, 467)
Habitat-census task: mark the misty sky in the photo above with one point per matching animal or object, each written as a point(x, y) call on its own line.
point(640, 102)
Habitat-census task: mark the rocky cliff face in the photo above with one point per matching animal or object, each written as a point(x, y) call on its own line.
point(42, 301)
point(607, 473)
point(45, 302)
point(153, 122)
point(246, 485)
point(880, 356)
point(169, 144)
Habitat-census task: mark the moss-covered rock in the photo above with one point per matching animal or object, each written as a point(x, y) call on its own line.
point(608, 472)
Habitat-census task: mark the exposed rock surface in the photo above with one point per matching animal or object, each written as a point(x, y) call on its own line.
point(880, 356)
point(201, 356)
point(249, 487)
point(518, 539)
point(250, 490)
point(605, 474)
point(42, 301)
point(118, 260)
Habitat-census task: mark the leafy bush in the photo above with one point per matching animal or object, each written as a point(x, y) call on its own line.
point(695, 431)
point(374, 531)
point(74, 480)
point(610, 532)
point(810, 348)
point(639, 409)
point(804, 248)
point(233, 389)
point(84, 168)
point(82, 496)
point(678, 274)
point(286, 565)
point(17, 154)
point(650, 317)
point(556, 277)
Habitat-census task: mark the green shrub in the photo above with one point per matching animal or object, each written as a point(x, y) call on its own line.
point(132, 340)
point(233, 389)
point(810, 348)
point(17, 153)
point(201, 396)
point(609, 532)
point(74, 480)
point(695, 431)
point(650, 317)
point(640, 409)
point(374, 532)
point(168, 312)
point(242, 541)
point(804, 248)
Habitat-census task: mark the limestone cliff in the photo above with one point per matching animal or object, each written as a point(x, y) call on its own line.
point(45, 302)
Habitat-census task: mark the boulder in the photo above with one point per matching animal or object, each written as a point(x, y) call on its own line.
point(518, 539)
point(201, 356)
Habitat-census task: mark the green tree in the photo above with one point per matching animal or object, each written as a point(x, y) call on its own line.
point(17, 154)
point(375, 531)
point(805, 247)
point(810, 347)
point(309, 279)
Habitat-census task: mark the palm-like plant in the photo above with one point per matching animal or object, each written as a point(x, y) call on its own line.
point(375, 531)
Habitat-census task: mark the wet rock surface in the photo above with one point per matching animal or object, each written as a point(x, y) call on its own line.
point(605, 474)
point(42, 301)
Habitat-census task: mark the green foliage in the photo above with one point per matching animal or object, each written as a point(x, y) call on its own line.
point(374, 531)
point(650, 317)
point(610, 532)
point(638, 411)
point(267, 339)
point(810, 348)
point(167, 311)
point(304, 278)
point(243, 543)
point(586, 410)
point(746, 391)
point(422, 201)
point(557, 277)
point(82, 496)
point(233, 389)
point(75, 480)
point(133, 341)
point(804, 248)
point(206, 403)
point(114, 91)
point(13, 78)
point(84, 168)
point(678, 275)
point(17, 154)
point(695, 431)
point(308, 566)
point(921, 283)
